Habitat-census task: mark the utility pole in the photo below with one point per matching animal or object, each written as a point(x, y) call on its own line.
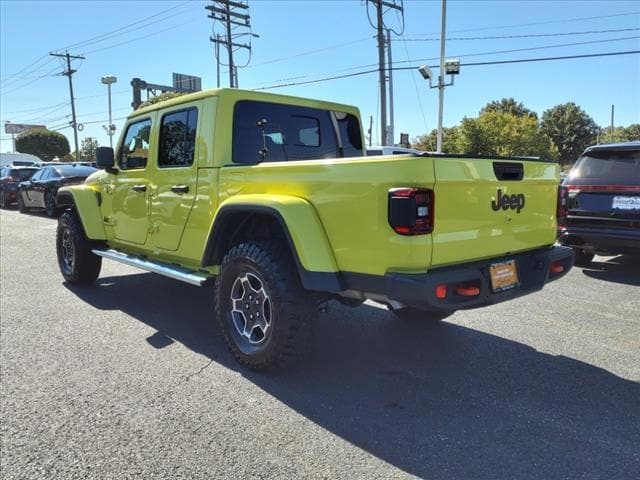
point(612, 113)
point(441, 74)
point(370, 131)
point(390, 132)
point(382, 75)
point(229, 12)
point(68, 73)
point(380, 27)
point(218, 59)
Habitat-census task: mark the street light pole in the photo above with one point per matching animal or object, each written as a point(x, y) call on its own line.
point(108, 80)
point(441, 74)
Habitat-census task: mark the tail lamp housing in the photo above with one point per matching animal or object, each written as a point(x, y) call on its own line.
point(562, 208)
point(411, 210)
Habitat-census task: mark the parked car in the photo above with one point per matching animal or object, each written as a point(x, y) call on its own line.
point(41, 189)
point(600, 202)
point(18, 160)
point(10, 178)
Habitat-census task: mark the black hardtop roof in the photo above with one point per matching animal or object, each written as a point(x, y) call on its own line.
point(614, 146)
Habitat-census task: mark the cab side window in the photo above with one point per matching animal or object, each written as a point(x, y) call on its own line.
point(270, 132)
point(178, 138)
point(135, 148)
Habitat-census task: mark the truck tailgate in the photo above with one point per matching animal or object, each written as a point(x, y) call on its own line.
point(492, 207)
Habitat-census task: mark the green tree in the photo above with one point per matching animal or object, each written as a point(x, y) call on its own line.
point(620, 134)
point(570, 129)
point(160, 98)
point(43, 143)
point(632, 132)
point(88, 148)
point(508, 105)
point(499, 133)
point(428, 141)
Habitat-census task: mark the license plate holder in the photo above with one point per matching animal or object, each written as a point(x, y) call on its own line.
point(504, 275)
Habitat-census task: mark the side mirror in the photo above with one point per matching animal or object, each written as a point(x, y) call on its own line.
point(104, 159)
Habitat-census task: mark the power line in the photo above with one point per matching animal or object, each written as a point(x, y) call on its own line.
point(50, 73)
point(465, 55)
point(549, 22)
point(122, 30)
point(135, 39)
point(529, 35)
point(93, 40)
point(311, 52)
point(498, 62)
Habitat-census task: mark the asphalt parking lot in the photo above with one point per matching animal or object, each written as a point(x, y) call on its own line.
point(130, 379)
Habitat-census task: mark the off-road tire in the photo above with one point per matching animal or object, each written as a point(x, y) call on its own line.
point(4, 201)
point(291, 308)
point(582, 257)
point(416, 315)
point(22, 208)
point(77, 263)
point(50, 204)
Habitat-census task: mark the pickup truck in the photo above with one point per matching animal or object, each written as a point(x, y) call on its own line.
point(272, 200)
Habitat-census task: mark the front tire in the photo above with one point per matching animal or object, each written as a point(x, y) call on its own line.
point(78, 264)
point(416, 315)
point(22, 208)
point(4, 201)
point(50, 204)
point(263, 311)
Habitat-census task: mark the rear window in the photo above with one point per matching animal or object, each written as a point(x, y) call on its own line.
point(23, 173)
point(270, 132)
point(611, 167)
point(75, 171)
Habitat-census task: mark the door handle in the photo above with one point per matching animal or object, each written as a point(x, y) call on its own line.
point(180, 189)
point(139, 188)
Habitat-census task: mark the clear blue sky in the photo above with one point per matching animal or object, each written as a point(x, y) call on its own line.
point(307, 40)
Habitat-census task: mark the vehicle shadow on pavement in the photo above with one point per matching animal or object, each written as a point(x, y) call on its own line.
point(621, 269)
point(437, 401)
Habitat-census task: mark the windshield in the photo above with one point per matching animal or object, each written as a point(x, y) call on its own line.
point(608, 167)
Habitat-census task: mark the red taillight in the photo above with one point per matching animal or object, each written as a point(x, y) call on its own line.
point(562, 208)
point(411, 210)
point(441, 290)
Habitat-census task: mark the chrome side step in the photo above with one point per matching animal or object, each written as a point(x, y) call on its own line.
point(168, 270)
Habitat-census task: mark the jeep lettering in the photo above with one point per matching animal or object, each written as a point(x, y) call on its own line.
point(505, 202)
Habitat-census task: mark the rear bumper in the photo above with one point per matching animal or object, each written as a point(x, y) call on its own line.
point(602, 239)
point(420, 290)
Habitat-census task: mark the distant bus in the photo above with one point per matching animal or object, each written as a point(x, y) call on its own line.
point(18, 159)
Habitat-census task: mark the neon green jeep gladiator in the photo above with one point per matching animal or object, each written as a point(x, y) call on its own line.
point(272, 200)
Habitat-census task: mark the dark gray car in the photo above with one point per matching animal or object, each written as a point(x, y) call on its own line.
point(600, 202)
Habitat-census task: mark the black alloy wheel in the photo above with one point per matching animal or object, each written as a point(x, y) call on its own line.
point(78, 264)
